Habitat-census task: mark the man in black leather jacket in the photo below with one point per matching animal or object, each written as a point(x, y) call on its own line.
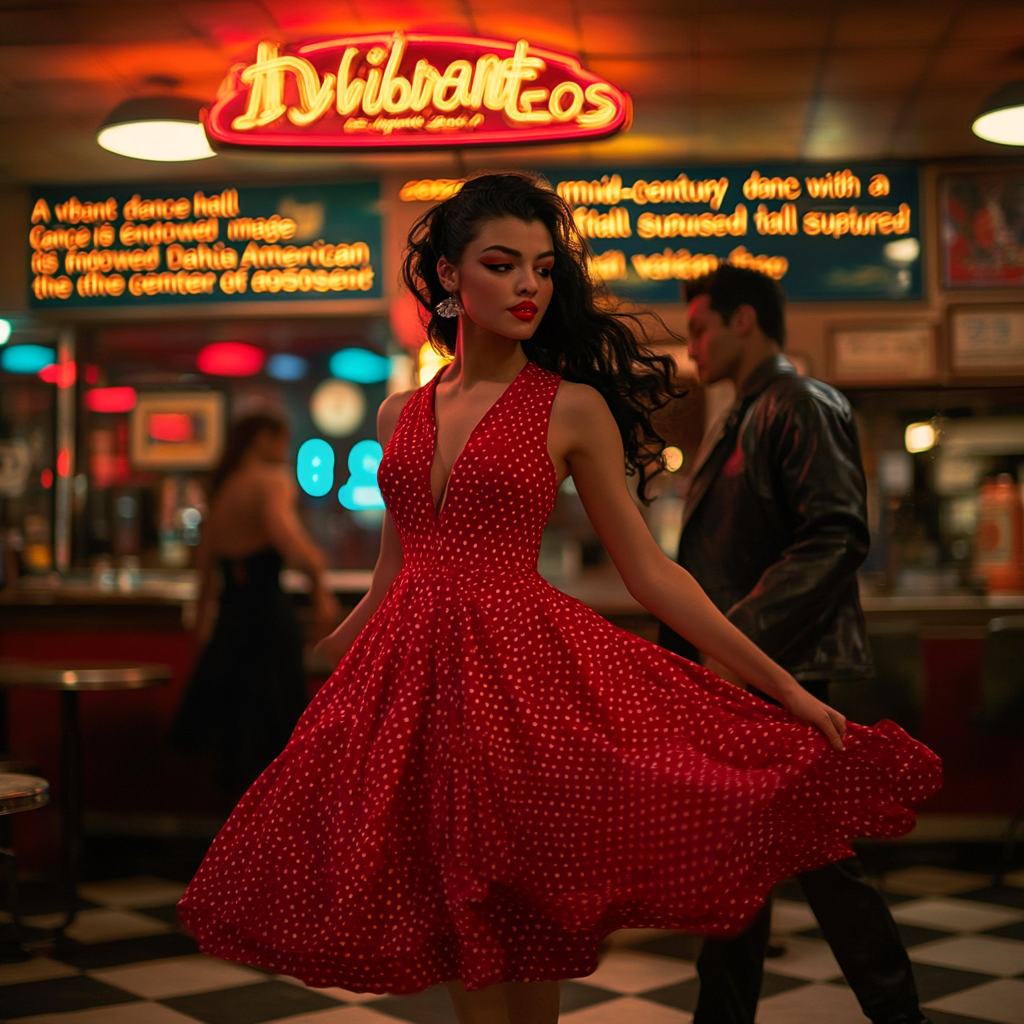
point(774, 530)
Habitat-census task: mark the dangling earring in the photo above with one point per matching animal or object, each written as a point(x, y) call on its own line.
point(450, 307)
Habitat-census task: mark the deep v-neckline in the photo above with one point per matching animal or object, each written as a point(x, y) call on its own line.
point(437, 512)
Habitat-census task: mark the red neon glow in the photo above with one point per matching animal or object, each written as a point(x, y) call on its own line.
point(110, 399)
point(63, 462)
point(61, 374)
point(175, 427)
point(230, 359)
point(92, 374)
point(364, 92)
point(46, 478)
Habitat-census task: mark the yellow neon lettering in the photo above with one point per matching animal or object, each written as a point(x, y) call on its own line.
point(40, 212)
point(610, 265)
point(613, 224)
point(600, 95)
point(520, 68)
point(878, 186)
point(758, 187)
point(777, 222)
point(493, 83)
point(841, 185)
point(563, 113)
point(692, 225)
point(457, 78)
point(350, 92)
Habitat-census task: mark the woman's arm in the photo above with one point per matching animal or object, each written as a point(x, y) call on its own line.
point(389, 561)
point(590, 447)
point(289, 537)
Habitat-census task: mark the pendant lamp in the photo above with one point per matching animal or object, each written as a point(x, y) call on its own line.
point(163, 128)
point(1002, 117)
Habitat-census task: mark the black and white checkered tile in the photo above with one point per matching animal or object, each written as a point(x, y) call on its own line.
point(134, 966)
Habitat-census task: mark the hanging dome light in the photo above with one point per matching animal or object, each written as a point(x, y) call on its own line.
point(164, 128)
point(1002, 117)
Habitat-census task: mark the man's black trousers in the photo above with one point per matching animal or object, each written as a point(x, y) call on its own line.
point(857, 925)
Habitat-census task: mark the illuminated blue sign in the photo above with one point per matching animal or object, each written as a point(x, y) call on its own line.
point(314, 467)
point(26, 358)
point(360, 365)
point(360, 491)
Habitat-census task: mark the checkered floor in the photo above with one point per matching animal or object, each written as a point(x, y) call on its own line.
point(135, 966)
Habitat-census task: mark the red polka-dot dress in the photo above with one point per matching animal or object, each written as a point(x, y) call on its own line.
point(494, 778)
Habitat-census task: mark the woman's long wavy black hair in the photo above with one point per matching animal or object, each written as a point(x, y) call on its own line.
point(582, 336)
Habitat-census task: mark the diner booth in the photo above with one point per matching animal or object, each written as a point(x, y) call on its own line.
point(147, 317)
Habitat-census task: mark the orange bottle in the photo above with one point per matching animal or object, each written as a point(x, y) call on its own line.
point(999, 539)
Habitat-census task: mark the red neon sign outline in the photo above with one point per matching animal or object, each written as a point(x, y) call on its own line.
point(217, 118)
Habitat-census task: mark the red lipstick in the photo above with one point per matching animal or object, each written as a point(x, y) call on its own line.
point(524, 311)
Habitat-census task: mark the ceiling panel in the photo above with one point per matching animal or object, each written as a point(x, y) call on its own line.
point(40, 63)
point(230, 23)
point(375, 15)
point(847, 129)
point(654, 80)
point(638, 36)
point(911, 23)
point(552, 25)
point(758, 75)
point(973, 68)
point(757, 29)
point(44, 23)
point(873, 71)
point(992, 21)
point(301, 19)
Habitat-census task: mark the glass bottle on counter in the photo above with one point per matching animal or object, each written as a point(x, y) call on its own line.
point(999, 541)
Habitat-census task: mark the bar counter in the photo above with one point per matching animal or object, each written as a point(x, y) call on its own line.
point(134, 781)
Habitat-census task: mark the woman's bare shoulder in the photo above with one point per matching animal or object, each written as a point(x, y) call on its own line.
point(388, 413)
point(579, 403)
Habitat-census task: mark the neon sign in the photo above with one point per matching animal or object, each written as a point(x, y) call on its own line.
point(412, 90)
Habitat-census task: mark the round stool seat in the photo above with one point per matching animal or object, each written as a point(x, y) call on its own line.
point(22, 792)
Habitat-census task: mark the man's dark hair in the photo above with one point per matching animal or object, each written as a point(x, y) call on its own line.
point(730, 287)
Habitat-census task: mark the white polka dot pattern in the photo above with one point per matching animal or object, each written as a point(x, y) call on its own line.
point(495, 777)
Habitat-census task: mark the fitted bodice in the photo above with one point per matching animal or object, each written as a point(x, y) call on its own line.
point(500, 492)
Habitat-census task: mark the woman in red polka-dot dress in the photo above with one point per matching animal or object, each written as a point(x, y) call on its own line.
point(494, 778)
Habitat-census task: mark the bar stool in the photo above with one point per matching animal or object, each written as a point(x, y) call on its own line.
point(70, 678)
point(17, 793)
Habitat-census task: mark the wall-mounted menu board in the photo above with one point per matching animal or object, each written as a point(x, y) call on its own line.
point(826, 232)
point(184, 245)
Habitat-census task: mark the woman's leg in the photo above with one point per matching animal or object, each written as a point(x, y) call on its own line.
point(534, 1002)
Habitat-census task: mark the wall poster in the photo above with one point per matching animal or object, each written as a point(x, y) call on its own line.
point(983, 229)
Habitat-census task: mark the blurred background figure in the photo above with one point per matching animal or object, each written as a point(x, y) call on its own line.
point(249, 686)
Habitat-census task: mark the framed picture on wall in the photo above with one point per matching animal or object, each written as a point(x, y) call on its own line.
point(177, 430)
point(880, 355)
point(987, 341)
point(983, 229)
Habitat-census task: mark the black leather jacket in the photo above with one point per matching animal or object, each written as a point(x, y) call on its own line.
point(775, 526)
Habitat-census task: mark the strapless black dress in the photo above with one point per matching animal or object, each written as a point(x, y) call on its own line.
point(248, 688)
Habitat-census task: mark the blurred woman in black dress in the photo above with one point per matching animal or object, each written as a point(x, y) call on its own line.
point(248, 688)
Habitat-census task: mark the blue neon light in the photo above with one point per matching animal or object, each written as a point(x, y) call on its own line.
point(360, 365)
point(314, 467)
point(26, 358)
point(285, 366)
point(360, 491)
